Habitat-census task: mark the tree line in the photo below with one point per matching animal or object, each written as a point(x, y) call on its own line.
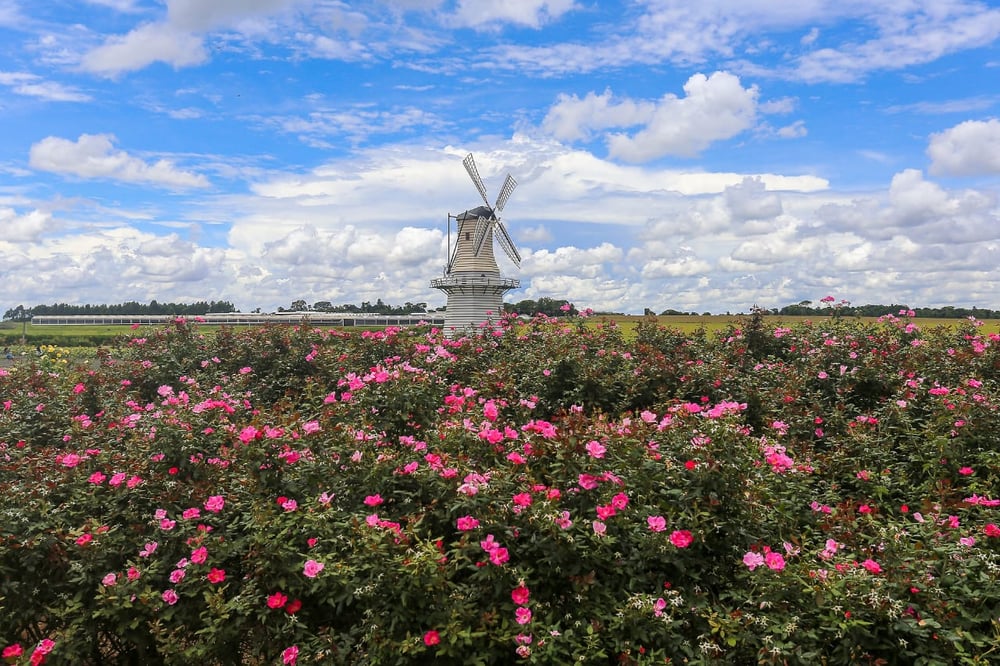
point(378, 307)
point(552, 307)
point(21, 313)
point(845, 309)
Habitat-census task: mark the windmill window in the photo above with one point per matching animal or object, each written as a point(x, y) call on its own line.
point(467, 234)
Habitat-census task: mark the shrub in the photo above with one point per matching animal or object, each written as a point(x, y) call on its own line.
point(552, 494)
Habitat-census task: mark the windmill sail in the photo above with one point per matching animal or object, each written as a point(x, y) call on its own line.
point(470, 166)
point(485, 224)
point(481, 234)
point(506, 244)
point(508, 187)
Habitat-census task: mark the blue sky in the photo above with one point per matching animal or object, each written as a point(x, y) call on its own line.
point(700, 156)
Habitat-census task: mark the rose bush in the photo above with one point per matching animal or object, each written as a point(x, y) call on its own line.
point(547, 493)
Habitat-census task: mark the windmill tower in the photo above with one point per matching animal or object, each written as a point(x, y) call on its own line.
point(472, 278)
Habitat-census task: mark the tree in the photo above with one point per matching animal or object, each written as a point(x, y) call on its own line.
point(23, 315)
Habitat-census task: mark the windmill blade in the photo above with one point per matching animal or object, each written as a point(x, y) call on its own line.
point(508, 187)
point(470, 166)
point(506, 244)
point(479, 238)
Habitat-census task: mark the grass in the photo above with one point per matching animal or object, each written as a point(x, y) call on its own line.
point(715, 323)
point(90, 336)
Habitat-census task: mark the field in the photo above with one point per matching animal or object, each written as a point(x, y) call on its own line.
point(792, 493)
point(715, 323)
point(86, 336)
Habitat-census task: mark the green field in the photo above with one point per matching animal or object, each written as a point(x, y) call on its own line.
point(92, 336)
point(713, 323)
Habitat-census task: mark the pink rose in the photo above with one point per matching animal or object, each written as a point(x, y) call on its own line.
point(681, 538)
point(312, 568)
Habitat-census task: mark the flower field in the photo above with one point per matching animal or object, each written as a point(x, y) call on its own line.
point(554, 493)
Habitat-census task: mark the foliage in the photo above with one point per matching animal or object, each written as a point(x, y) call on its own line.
point(127, 308)
point(549, 307)
point(807, 308)
point(555, 492)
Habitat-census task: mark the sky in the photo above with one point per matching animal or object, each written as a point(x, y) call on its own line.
point(699, 156)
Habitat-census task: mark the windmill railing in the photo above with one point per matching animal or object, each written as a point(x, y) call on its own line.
point(475, 281)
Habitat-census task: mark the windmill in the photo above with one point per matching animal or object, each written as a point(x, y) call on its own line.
point(472, 279)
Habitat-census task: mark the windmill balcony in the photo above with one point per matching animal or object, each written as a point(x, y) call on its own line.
point(457, 281)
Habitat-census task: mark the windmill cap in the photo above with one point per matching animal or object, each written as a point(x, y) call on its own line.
point(476, 213)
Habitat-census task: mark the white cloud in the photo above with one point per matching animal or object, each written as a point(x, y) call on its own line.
point(750, 200)
point(201, 16)
point(52, 92)
point(94, 156)
point(586, 263)
point(539, 234)
point(674, 267)
point(968, 149)
point(23, 228)
point(714, 108)
point(920, 210)
point(573, 119)
point(530, 13)
point(684, 33)
point(117, 5)
point(178, 41)
point(978, 103)
point(796, 130)
point(915, 200)
point(10, 14)
point(117, 264)
point(321, 127)
point(15, 78)
point(143, 46)
point(875, 156)
point(907, 34)
point(780, 105)
point(30, 85)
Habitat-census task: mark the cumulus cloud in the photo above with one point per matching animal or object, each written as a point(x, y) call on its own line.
point(24, 228)
point(750, 200)
point(971, 148)
point(687, 265)
point(580, 262)
point(119, 263)
point(573, 119)
point(714, 108)
point(920, 210)
point(94, 156)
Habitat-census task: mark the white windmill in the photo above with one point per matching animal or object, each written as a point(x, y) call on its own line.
point(472, 279)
